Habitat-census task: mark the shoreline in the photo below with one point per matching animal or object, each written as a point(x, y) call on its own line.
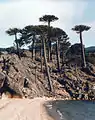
point(39, 108)
point(35, 109)
point(50, 112)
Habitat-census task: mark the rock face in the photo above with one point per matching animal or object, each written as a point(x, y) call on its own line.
point(23, 78)
point(79, 83)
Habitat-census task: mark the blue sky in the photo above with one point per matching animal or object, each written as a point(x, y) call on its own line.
point(19, 13)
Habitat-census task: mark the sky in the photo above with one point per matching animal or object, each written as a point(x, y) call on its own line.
point(20, 13)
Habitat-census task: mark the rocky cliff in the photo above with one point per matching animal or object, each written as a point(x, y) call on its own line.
point(23, 77)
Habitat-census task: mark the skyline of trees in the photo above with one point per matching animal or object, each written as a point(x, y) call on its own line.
point(29, 35)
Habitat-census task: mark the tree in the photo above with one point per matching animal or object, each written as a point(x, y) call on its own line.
point(61, 43)
point(29, 36)
point(80, 29)
point(48, 19)
point(46, 65)
point(42, 32)
point(15, 31)
point(64, 46)
point(74, 50)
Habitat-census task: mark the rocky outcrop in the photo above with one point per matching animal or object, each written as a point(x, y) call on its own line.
point(78, 83)
point(24, 79)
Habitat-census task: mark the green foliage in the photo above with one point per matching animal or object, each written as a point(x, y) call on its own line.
point(30, 31)
point(74, 50)
point(13, 31)
point(48, 18)
point(81, 28)
point(57, 32)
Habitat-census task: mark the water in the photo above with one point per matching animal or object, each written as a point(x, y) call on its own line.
point(72, 110)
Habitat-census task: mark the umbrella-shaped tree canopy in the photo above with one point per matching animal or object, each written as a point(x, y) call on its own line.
point(48, 18)
point(81, 28)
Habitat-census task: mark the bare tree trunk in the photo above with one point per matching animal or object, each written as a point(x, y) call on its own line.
point(41, 54)
point(58, 55)
point(62, 57)
point(33, 48)
point(18, 53)
point(82, 52)
point(35, 51)
point(35, 72)
point(49, 43)
point(47, 69)
point(62, 54)
point(50, 50)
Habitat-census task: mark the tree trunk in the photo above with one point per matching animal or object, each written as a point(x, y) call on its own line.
point(47, 68)
point(17, 46)
point(50, 50)
point(62, 57)
point(33, 48)
point(62, 53)
point(82, 52)
point(49, 43)
point(58, 55)
point(35, 72)
point(35, 52)
point(41, 54)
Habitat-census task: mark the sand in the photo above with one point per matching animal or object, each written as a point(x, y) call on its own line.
point(23, 109)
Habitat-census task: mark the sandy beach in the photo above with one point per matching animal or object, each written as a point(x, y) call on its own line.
point(23, 109)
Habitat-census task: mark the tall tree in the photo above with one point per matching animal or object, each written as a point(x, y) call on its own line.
point(80, 29)
point(46, 65)
point(61, 37)
point(15, 31)
point(43, 37)
point(48, 19)
point(29, 36)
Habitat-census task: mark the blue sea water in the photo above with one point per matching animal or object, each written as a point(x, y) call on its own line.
point(71, 110)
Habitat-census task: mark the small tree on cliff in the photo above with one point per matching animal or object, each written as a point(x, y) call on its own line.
point(80, 29)
point(15, 31)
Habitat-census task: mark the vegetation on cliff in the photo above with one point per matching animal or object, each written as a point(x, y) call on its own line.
point(51, 66)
